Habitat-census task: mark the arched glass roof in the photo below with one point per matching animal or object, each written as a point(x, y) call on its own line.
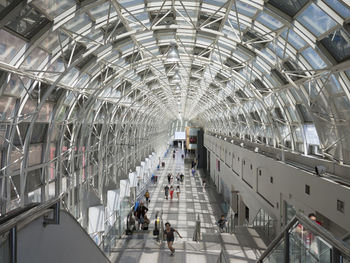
point(274, 72)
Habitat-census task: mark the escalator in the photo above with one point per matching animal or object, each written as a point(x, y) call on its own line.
point(45, 233)
point(304, 241)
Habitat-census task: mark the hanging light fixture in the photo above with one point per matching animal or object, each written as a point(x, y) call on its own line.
point(173, 54)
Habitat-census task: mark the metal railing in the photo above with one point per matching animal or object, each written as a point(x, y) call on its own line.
point(230, 217)
point(338, 250)
point(160, 227)
point(264, 224)
point(197, 230)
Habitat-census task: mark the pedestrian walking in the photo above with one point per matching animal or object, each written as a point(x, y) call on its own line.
point(178, 192)
point(169, 178)
point(147, 196)
point(166, 191)
point(169, 235)
point(178, 178)
point(182, 177)
point(171, 192)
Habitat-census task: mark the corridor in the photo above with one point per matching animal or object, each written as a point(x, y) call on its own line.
point(195, 201)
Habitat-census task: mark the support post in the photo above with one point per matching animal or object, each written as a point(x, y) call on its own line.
point(286, 246)
point(13, 244)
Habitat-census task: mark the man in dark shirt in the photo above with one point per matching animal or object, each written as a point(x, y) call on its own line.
point(169, 235)
point(222, 223)
point(169, 178)
point(166, 191)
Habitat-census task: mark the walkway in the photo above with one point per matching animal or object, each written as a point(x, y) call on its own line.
point(194, 201)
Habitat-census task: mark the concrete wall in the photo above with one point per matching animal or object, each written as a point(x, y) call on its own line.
point(66, 242)
point(263, 182)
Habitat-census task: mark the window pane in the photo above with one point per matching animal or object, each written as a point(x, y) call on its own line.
point(339, 7)
point(290, 7)
point(317, 21)
point(294, 39)
point(9, 46)
point(313, 58)
point(269, 21)
point(54, 7)
point(245, 9)
point(27, 22)
point(338, 44)
point(311, 134)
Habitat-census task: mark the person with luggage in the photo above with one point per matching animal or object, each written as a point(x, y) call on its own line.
point(169, 235)
point(166, 191)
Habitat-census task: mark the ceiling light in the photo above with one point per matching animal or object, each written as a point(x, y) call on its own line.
point(173, 54)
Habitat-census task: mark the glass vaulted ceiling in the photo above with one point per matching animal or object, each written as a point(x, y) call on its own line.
point(274, 72)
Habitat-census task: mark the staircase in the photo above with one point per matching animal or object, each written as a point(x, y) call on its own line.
point(302, 240)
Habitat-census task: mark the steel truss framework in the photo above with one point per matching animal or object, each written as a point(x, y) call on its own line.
point(87, 91)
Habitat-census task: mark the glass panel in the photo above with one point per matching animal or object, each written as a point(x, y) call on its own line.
point(103, 11)
point(27, 22)
point(332, 84)
point(317, 21)
point(290, 7)
point(311, 134)
point(4, 4)
point(307, 247)
point(78, 22)
point(339, 7)
point(313, 58)
point(54, 7)
point(294, 39)
point(9, 46)
point(277, 255)
point(34, 60)
point(51, 41)
point(338, 44)
point(269, 21)
point(245, 9)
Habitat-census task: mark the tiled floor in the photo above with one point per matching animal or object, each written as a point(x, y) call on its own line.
point(195, 201)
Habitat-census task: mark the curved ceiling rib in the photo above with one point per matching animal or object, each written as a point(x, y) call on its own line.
point(274, 72)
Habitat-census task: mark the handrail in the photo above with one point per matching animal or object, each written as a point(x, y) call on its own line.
point(29, 215)
point(161, 228)
point(341, 247)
